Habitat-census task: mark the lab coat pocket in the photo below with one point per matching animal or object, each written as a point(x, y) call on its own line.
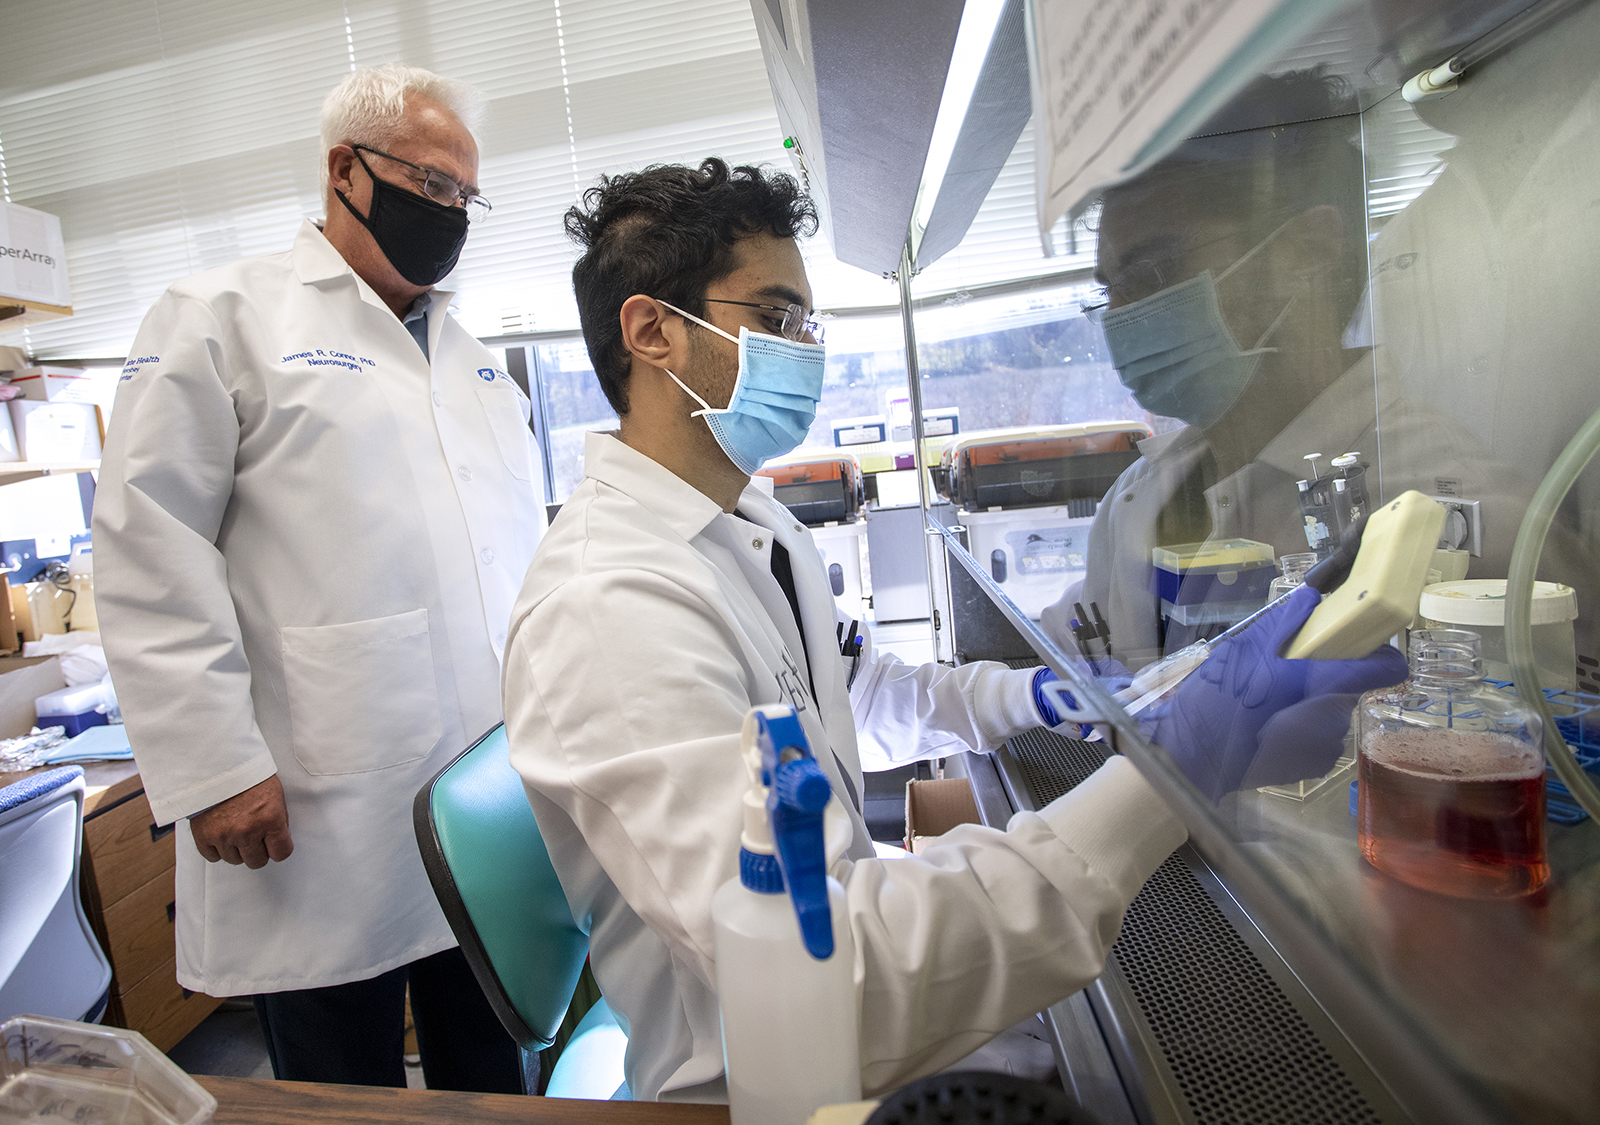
point(508, 411)
point(361, 695)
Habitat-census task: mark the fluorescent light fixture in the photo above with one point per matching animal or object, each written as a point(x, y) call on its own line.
point(978, 21)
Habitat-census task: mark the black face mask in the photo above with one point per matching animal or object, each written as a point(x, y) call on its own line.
point(422, 239)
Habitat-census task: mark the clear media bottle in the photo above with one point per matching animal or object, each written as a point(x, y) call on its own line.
point(785, 954)
point(1294, 568)
point(1452, 776)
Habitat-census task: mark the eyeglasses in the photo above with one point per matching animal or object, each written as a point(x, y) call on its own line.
point(1134, 282)
point(441, 188)
point(797, 320)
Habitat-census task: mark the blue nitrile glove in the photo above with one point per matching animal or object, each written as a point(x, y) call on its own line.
point(1116, 678)
point(1249, 717)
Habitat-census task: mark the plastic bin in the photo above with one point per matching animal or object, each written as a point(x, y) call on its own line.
point(74, 707)
point(843, 547)
point(61, 1070)
point(1033, 553)
point(1214, 572)
point(1577, 716)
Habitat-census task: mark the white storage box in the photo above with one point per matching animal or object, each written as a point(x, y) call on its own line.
point(55, 431)
point(76, 708)
point(55, 384)
point(1033, 553)
point(860, 431)
point(9, 450)
point(843, 547)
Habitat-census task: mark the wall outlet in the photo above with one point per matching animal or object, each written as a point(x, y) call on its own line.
point(1463, 525)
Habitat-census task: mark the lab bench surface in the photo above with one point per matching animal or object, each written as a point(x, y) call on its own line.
point(261, 1101)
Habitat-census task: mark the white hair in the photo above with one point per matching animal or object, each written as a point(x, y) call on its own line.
point(369, 107)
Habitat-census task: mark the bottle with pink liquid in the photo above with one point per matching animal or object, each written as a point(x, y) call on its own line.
point(1452, 776)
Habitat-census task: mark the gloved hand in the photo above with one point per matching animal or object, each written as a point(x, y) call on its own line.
point(1249, 717)
point(1114, 677)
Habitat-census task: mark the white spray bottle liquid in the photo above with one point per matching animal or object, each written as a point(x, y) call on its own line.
point(785, 961)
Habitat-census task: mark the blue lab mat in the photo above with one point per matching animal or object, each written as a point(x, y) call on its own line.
point(97, 744)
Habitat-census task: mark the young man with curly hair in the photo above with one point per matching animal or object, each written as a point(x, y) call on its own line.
point(670, 596)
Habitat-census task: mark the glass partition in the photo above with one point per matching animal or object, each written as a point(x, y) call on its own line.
point(573, 405)
point(1296, 325)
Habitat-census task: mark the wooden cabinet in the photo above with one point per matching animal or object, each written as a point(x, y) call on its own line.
point(128, 868)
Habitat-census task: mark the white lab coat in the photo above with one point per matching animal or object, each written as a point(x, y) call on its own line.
point(307, 543)
point(649, 624)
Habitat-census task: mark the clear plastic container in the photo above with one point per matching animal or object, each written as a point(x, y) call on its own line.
point(61, 1070)
point(1452, 795)
point(1479, 605)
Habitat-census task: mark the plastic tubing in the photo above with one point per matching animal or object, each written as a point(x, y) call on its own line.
point(1519, 606)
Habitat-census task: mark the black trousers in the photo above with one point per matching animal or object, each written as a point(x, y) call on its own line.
point(355, 1033)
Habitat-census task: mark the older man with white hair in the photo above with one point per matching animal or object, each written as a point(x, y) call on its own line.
point(318, 499)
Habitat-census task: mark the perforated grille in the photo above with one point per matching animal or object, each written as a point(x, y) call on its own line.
point(1235, 1044)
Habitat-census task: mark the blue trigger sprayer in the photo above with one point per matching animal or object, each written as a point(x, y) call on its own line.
point(785, 954)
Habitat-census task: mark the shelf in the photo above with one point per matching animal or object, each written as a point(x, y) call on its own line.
point(13, 471)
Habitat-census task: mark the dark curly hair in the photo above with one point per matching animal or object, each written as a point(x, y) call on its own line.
point(668, 232)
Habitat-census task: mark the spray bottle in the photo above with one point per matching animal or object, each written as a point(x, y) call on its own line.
point(785, 961)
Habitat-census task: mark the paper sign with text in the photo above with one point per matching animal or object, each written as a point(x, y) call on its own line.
point(1117, 84)
point(33, 258)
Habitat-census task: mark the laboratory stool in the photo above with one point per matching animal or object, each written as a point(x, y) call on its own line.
point(492, 875)
point(50, 962)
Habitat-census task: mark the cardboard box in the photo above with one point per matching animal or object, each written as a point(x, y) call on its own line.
point(935, 807)
point(22, 613)
point(57, 384)
point(24, 679)
point(9, 641)
point(56, 431)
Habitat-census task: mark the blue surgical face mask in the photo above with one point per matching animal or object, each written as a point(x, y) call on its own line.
point(1177, 355)
point(774, 400)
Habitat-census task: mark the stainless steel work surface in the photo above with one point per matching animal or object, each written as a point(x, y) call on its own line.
point(1203, 1021)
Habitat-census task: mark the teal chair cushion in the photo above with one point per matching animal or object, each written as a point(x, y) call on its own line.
point(492, 875)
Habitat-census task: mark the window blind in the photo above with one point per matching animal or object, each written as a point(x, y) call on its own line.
point(177, 135)
point(174, 136)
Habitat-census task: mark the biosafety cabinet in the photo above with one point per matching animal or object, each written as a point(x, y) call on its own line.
point(1371, 262)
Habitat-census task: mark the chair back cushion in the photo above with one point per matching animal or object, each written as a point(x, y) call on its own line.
point(490, 870)
point(50, 962)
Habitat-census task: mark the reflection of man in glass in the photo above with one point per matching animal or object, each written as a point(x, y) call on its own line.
point(1231, 270)
point(1234, 271)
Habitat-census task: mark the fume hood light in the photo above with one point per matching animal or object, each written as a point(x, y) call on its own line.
point(793, 145)
point(1441, 80)
point(1435, 83)
point(979, 18)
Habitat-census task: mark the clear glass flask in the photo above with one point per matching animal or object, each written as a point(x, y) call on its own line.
point(1294, 573)
point(1452, 776)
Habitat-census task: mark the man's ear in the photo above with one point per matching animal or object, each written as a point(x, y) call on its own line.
point(341, 164)
point(652, 333)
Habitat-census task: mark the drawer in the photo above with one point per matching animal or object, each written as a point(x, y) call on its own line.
point(139, 930)
point(160, 1009)
point(126, 849)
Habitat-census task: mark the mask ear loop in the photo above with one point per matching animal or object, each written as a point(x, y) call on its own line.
point(1248, 254)
point(709, 409)
point(706, 407)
